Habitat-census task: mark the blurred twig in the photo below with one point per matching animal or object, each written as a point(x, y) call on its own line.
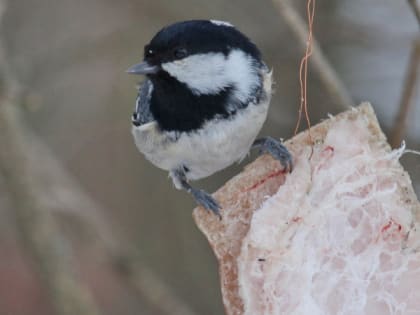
point(39, 234)
point(400, 124)
point(416, 9)
point(320, 63)
point(40, 186)
point(59, 190)
point(151, 287)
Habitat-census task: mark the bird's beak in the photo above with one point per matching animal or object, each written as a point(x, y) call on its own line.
point(143, 68)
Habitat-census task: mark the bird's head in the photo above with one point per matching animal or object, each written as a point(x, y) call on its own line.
point(207, 56)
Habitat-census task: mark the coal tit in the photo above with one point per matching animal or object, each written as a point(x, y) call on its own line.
point(205, 99)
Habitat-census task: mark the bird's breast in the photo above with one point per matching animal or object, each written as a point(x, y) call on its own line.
point(218, 143)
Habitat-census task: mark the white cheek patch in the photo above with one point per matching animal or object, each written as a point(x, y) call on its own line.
point(212, 72)
point(203, 73)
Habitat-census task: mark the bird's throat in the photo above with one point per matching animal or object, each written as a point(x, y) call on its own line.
point(176, 108)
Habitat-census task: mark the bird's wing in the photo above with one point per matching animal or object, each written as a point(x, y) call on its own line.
point(142, 113)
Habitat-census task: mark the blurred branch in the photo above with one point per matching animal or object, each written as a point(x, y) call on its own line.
point(416, 9)
point(151, 287)
point(61, 191)
point(320, 63)
point(39, 234)
point(40, 186)
point(36, 226)
point(58, 190)
point(400, 124)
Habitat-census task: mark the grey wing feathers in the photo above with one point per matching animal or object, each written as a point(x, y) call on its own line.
point(142, 113)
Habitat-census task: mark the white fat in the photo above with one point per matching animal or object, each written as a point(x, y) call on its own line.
point(221, 23)
point(212, 72)
point(340, 237)
point(218, 144)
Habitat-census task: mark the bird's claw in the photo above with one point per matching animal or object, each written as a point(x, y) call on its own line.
point(277, 150)
point(204, 199)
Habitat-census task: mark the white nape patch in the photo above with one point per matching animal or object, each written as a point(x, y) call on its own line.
point(221, 23)
point(212, 72)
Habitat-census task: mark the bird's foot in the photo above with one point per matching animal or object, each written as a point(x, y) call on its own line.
point(276, 149)
point(204, 199)
point(200, 196)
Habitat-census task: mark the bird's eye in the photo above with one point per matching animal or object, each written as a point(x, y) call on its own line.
point(148, 53)
point(180, 53)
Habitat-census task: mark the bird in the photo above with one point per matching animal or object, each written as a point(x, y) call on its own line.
point(204, 100)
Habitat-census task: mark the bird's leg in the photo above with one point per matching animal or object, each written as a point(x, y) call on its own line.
point(276, 149)
point(200, 196)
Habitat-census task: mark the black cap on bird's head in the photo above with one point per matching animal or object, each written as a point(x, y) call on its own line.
point(182, 39)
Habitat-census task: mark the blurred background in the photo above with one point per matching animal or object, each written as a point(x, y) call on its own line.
point(126, 234)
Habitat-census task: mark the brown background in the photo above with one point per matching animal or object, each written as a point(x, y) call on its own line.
point(71, 57)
